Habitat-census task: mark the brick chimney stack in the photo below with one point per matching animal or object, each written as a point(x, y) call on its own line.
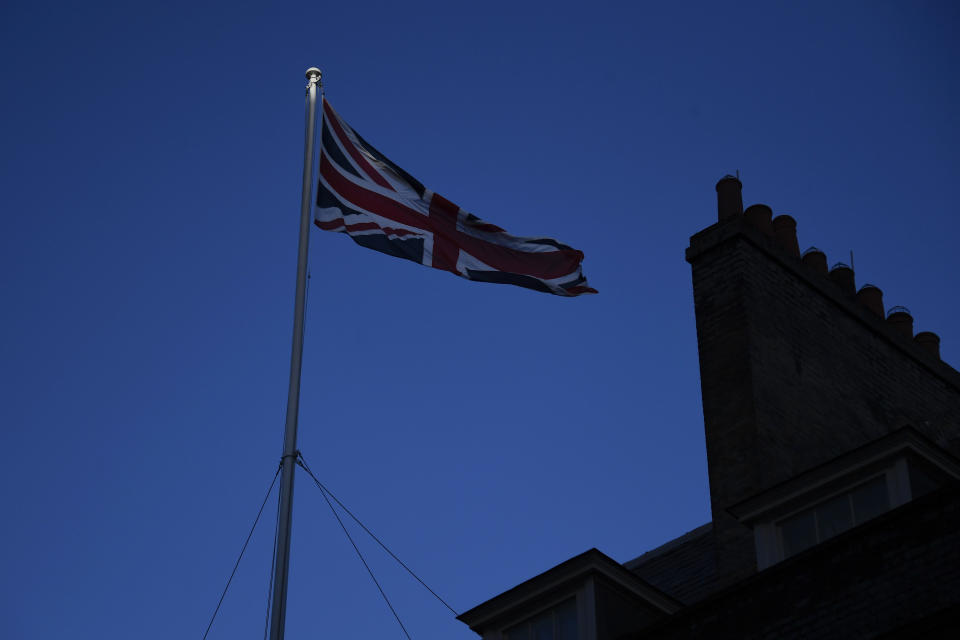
point(796, 367)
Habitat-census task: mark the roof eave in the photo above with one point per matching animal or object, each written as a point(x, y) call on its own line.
point(573, 570)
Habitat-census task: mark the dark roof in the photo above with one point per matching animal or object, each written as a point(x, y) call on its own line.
point(684, 568)
point(562, 576)
point(895, 576)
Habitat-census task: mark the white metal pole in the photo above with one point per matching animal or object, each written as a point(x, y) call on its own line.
point(289, 459)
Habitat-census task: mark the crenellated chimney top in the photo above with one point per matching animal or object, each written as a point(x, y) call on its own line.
point(815, 260)
point(843, 276)
point(785, 233)
point(929, 342)
point(729, 198)
point(782, 229)
point(901, 320)
point(872, 298)
point(759, 215)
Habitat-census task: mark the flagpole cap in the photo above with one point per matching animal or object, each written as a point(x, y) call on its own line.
point(313, 73)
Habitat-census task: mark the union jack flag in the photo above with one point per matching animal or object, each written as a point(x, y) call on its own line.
point(382, 207)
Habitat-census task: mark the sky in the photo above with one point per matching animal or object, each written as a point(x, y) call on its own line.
point(151, 168)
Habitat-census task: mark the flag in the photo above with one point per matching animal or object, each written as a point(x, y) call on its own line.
point(382, 207)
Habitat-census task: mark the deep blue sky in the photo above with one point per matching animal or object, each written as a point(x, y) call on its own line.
point(150, 194)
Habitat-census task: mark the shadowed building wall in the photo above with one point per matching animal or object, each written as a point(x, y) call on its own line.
point(794, 368)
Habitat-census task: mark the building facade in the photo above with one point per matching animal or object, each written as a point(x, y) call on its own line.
point(833, 448)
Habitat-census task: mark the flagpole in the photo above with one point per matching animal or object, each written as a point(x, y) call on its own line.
point(288, 461)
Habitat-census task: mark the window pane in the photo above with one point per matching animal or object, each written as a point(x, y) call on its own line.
point(799, 532)
point(543, 626)
point(567, 620)
point(920, 483)
point(558, 623)
point(833, 516)
point(870, 499)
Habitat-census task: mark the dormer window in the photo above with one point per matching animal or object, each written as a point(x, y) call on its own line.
point(844, 493)
point(588, 597)
point(556, 623)
point(833, 516)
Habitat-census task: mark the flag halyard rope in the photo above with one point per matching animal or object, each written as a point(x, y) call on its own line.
point(242, 550)
point(273, 566)
point(355, 548)
point(303, 463)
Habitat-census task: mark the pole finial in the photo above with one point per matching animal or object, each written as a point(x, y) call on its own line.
point(314, 74)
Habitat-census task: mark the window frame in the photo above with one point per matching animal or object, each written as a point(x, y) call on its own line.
point(552, 609)
point(893, 482)
point(584, 606)
point(897, 454)
point(768, 531)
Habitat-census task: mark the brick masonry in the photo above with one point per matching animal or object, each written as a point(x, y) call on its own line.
point(795, 372)
point(897, 576)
